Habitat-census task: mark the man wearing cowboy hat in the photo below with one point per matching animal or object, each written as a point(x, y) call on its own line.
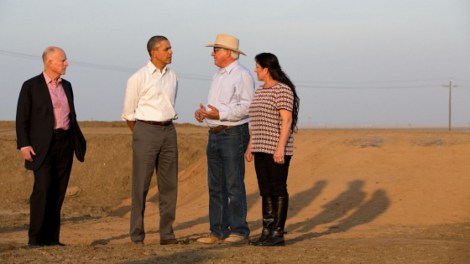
point(226, 114)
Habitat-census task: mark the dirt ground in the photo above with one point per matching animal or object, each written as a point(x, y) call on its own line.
point(356, 196)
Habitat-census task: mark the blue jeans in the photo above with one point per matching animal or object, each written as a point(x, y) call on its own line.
point(226, 175)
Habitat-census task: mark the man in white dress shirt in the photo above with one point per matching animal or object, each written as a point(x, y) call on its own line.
point(149, 111)
point(226, 114)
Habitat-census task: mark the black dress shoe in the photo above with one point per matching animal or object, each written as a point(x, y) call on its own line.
point(171, 241)
point(138, 242)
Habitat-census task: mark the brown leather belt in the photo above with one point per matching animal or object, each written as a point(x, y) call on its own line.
point(156, 123)
point(217, 129)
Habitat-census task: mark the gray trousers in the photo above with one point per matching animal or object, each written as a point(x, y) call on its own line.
point(154, 147)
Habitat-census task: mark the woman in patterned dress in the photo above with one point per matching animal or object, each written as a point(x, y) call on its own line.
point(273, 120)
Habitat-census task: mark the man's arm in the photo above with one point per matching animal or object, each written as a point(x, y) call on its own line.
point(131, 124)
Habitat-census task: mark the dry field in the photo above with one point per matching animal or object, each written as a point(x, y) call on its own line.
point(357, 196)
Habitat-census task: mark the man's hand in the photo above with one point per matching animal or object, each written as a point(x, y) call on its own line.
point(131, 124)
point(212, 113)
point(198, 114)
point(28, 153)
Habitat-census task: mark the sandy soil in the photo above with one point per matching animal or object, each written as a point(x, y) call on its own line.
point(357, 196)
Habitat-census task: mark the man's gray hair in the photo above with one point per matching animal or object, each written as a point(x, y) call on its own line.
point(235, 55)
point(48, 51)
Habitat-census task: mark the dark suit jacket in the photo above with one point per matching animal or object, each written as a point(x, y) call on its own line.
point(35, 117)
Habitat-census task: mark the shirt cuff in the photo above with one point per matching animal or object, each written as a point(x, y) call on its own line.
point(128, 117)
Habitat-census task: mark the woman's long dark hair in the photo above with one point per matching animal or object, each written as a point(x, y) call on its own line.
point(270, 61)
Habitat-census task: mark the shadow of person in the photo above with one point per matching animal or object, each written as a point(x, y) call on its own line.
point(365, 213)
point(334, 209)
point(121, 211)
point(305, 198)
point(106, 241)
point(368, 211)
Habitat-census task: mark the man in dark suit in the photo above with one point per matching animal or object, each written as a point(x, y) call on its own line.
point(44, 122)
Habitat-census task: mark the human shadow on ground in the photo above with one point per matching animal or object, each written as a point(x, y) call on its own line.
point(11, 229)
point(123, 210)
point(206, 254)
point(353, 200)
point(367, 212)
point(64, 220)
point(299, 200)
point(106, 241)
point(334, 209)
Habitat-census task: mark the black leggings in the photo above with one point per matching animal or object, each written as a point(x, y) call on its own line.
point(272, 177)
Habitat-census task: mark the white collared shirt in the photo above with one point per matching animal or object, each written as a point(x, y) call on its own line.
point(231, 92)
point(151, 95)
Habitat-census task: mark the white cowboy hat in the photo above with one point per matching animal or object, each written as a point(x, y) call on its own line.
point(226, 42)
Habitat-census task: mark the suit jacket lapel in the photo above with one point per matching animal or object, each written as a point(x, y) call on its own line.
point(68, 93)
point(44, 93)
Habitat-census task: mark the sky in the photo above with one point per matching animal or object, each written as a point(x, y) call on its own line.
point(361, 63)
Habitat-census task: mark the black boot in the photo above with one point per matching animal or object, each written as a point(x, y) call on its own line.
point(268, 220)
point(281, 204)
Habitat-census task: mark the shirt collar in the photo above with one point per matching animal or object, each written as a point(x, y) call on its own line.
point(151, 68)
point(229, 68)
point(49, 79)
